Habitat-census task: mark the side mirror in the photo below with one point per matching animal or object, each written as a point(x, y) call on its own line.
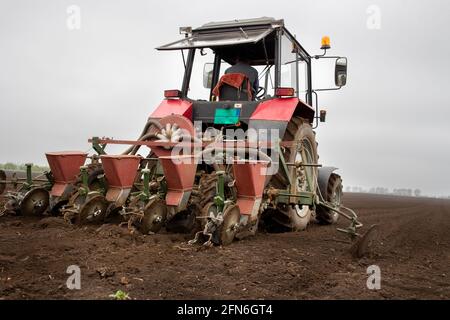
point(207, 75)
point(340, 72)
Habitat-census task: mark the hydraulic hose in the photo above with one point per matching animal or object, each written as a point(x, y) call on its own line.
point(134, 149)
point(263, 156)
point(150, 122)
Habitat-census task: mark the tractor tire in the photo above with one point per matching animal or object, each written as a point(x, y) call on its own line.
point(56, 209)
point(295, 217)
point(334, 197)
point(190, 220)
point(182, 222)
point(93, 181)
point(94, 184)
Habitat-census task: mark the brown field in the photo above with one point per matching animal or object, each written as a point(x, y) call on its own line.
point(412, 250)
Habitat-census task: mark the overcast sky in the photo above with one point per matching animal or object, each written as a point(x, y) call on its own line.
point(388, 127)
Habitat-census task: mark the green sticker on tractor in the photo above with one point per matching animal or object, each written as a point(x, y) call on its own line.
point(227, 116)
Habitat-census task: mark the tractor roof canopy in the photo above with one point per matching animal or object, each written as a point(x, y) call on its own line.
point(251, 39)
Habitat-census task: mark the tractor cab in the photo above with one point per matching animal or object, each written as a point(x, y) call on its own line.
point(283, 66)
point(264, 44)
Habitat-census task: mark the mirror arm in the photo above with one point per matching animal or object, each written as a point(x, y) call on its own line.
point(328, 89)
point(327, 57)
point(322, 55)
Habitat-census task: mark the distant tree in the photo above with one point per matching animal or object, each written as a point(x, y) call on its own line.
point(22, 167)
point(10, 166)
point(417, 192)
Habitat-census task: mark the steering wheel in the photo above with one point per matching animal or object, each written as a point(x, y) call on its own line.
point(260, 93)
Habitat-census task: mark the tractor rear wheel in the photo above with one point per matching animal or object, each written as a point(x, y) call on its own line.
point(334, 198)
point(304, 149)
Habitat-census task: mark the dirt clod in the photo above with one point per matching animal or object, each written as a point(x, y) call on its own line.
point(105, 272)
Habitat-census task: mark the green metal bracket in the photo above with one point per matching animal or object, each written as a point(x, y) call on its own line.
point(29, 174)
point(304, 197)
point(99, 148)
point(308, 177)
point(84, 189)
point(351, 230)
point(50, 179)
point(282, 197)
point(103, 185)
point(355, 224)
point(219, 199)
point(283, 163)
point(145, 194)
point(163, 186)
point(29, 182)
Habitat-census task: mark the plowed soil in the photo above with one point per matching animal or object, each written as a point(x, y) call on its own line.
point(412, 249)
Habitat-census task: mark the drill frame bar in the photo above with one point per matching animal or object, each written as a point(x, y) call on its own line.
point(262, 144)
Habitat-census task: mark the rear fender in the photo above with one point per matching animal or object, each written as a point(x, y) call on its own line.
point(173, 106)
point(323, 178)
point(276, 114)
point(278, 109)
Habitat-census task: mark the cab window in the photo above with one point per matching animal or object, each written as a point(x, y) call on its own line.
point(289, 64)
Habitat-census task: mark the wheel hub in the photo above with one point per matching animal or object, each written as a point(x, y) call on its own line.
point(304, 155)
point(301, 212)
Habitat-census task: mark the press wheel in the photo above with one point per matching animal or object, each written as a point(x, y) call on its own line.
point(93, 211)
point(226, 231)
point(155, 214)
point(35, 202)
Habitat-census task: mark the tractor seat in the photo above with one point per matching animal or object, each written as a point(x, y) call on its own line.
point(233, 87)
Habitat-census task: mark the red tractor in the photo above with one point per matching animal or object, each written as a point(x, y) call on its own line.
point(226, 153)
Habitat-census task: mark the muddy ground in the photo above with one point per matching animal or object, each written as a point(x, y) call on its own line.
point(413, 252)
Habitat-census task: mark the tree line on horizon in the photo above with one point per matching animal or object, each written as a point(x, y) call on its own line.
point(405, 192)
point(22, 167)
